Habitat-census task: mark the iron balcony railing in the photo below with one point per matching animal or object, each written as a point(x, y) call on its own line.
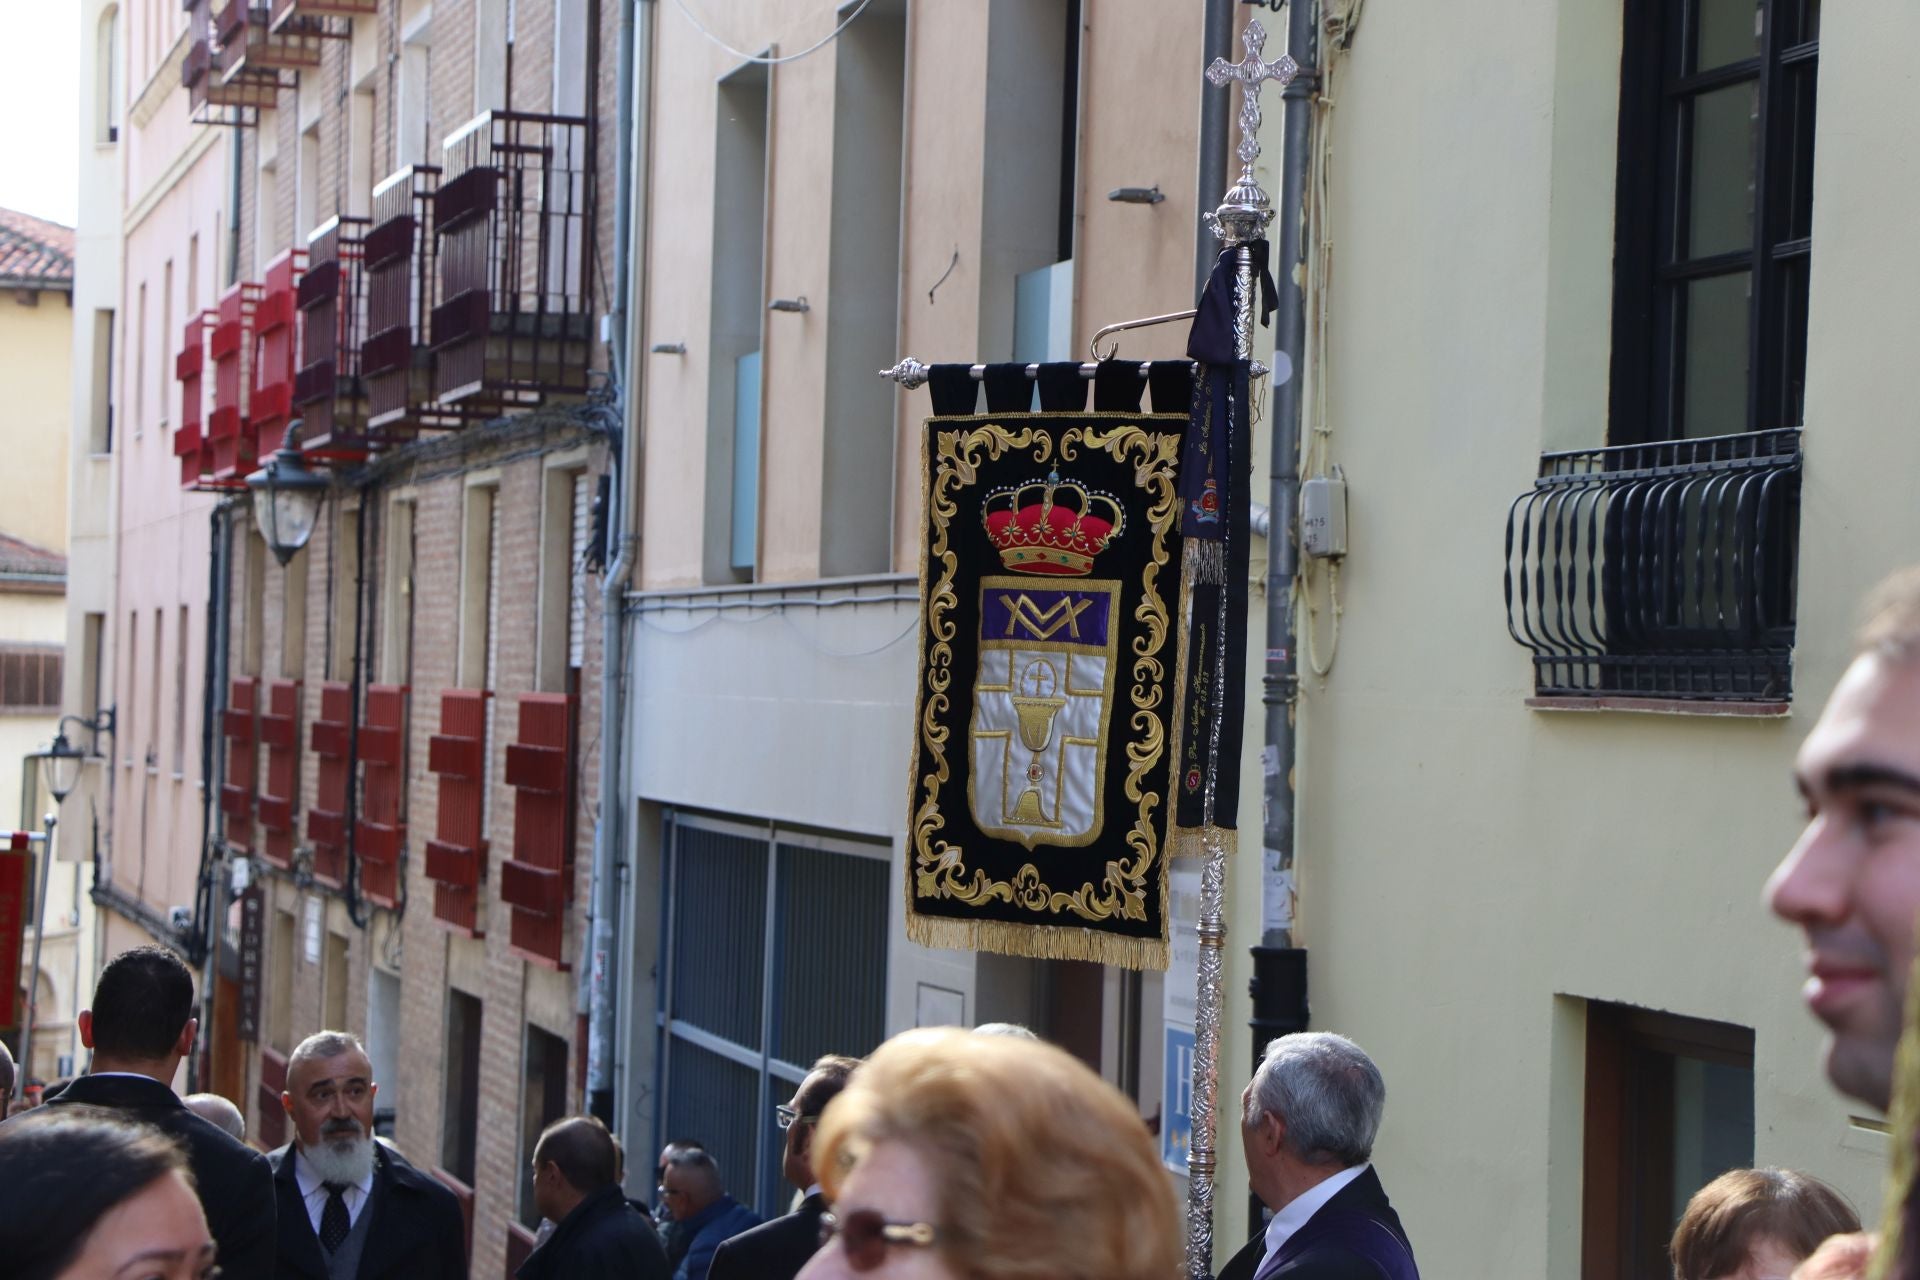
point(398, 260)
point(513, 222)
point(332, 300)
point(1661, 570)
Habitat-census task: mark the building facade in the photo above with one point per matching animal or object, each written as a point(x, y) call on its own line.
point(36, 328)
point(839, 188)
point(358, 789)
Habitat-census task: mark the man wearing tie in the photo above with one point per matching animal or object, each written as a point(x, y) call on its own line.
point(352, 1208)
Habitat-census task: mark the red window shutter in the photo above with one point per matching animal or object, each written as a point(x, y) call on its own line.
point(280, 731)
point(379, 835)
point(537, 879)
point(457, 854)
point(236, 792)
point(326, 820)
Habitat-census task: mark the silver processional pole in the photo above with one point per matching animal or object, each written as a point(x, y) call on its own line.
point(1240, 220)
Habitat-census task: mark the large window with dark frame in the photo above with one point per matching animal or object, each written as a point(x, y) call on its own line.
point(1664, 564)
point(1714, 220)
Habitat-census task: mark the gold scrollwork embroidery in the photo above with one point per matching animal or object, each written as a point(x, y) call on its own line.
point(940, 866)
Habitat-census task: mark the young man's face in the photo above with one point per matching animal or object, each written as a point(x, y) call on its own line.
point(1852, 881)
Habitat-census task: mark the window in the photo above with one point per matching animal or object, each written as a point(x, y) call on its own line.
point(334, 986)
point(266, 235)
point(416, 143)
point(346, 594)
point(308, 214)
point(254, 620)
point(93, 642)
point(140, 362)
point(293, 618)
point(180, 696)
point(460, 1117)
point(1713, 239)
point(732, 523)
point(153, 689)
point(280, 980)
point(543, 1099)
point(396, 647)
point(106, 78)
point(100, 425)
point(732, 1046)
point(479, 588)
point(1669, 1107)
point(163, 370)
point(124, 725)
point(30, 678)
point(193, 273)
point(566, 525)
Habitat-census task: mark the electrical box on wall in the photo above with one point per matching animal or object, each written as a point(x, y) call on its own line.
point(1323, 516)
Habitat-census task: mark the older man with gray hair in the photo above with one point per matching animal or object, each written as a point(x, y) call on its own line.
point(1308, 1119)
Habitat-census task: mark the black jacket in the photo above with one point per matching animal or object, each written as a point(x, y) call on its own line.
point(773, 1250)
point(234, 1180)
point(418, 1231)
point(1327, 1261)
point(604, 1238)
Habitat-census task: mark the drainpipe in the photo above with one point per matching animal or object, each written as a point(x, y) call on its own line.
point(599, 974)
point(1279, 986)
point(213, 820)
point(1216, 109)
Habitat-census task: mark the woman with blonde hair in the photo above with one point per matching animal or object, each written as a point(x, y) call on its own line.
point(953, 1156)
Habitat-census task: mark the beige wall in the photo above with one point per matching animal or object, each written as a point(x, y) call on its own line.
point(36, 343)
point(1469, 868)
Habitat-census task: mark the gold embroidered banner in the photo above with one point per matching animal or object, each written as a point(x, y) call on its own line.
point(1049, 588)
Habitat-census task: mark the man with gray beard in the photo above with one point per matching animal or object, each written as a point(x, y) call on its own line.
point(352, 1208)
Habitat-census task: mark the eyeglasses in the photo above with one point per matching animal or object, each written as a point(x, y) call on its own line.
point(865, 1235)
point(786, 1117)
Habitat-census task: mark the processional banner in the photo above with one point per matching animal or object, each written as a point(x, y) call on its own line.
point(1050, 590)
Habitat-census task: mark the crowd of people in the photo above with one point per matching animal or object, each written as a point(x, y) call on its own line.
point(950, 1154)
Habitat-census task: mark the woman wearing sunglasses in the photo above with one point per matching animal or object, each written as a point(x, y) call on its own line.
point(953, 1156)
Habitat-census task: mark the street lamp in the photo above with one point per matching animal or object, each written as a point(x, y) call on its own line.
point(286, 498)
point(60, 768)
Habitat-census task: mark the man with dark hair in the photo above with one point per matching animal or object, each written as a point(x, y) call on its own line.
point(140, 1028)
point(777, 1250)
point(597, 1235)
point(1852, 881)
point(696, 1196)
point(352, 1208)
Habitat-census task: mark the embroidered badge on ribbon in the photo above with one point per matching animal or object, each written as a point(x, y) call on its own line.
point(1049, 582)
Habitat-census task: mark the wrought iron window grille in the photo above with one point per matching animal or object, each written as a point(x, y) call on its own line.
point(1663, 570)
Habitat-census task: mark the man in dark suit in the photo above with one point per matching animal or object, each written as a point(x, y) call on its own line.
point(777, 1250)
point(597, 1235)
point(1308, 1120)
point(140, 1028)
point(352, 1208)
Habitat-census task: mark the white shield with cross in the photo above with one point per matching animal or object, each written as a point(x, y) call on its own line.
point(1042, 698)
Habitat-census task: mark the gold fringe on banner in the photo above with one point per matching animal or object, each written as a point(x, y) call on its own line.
point(1039, 941)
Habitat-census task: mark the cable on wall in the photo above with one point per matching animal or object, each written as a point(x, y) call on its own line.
point(701, 27)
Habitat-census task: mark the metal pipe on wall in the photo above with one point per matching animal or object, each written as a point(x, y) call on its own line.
point(1216, 40)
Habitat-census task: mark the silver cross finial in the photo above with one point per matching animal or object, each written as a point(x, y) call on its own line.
point(1250, 71)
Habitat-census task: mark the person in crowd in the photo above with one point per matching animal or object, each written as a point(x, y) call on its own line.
point(1005, 1029)
point(140, 1028)
point(1852, 881)
point(1756, 1224)
point(216, 1110)
point(88, 1195)
point(697, 1198)
point(352, 1208)
point(672, 1238)
point(1308, 1120)
point(597, 1235)
point(777, 1250)
point(951, 1155)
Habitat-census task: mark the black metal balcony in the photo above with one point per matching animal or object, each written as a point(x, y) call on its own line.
point(327, 389)
point(1660, 571)
point(513, 223)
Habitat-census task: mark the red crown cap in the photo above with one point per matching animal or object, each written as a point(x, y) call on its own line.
point(1051, 526)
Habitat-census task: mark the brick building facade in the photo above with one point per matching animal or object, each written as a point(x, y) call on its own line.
point(398, 765)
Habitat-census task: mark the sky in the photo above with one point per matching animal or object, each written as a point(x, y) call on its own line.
point(39, 105)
